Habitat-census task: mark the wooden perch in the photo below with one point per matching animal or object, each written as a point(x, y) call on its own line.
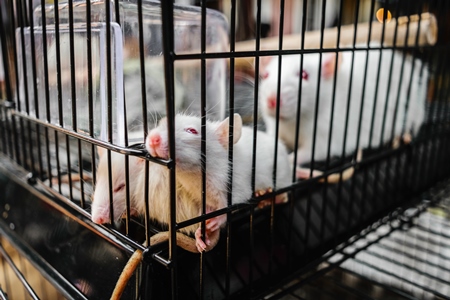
point(427, 36)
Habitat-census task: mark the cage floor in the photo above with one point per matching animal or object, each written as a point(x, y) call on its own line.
point(398, 260)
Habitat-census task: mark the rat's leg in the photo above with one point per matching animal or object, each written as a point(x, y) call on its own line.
point(304, 173)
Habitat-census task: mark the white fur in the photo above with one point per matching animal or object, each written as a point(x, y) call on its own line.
point(188, 160)
point(289, 101)
point(158, 186)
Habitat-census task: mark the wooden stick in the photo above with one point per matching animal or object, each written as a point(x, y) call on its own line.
point(427, 36)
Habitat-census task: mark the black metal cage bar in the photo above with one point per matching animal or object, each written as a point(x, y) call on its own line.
point(224, 149)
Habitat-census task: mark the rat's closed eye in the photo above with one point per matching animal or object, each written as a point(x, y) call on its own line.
point(191, 130)
point(120, 187)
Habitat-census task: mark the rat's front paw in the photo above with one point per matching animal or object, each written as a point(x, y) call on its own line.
point(265, 202)
point(199, 243)
point(211, 240)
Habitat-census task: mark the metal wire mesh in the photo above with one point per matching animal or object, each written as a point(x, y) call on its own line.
point(403, 258)
point(86, 81)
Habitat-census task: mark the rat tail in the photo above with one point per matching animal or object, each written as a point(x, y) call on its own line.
point(184, 241)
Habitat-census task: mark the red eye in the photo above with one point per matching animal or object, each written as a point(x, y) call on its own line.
point(191, 130)
point(119, 188)
point(265, 75)
point(305, 75)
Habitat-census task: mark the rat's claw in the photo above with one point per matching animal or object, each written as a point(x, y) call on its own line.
point(201, 246)
point(200, 249)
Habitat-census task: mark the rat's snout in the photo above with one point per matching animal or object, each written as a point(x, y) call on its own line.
point(155, 145)
point(272, 101)
point(154, 139)
point(100, 217)
point(99, 220)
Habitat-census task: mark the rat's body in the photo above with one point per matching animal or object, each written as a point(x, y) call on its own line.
point(159, 197)
point(100, 209)
point(188, 162)
point(289, 101)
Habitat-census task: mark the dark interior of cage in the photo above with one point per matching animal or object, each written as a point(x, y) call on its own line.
point(258, 247)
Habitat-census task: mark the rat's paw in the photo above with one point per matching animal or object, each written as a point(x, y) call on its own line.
point(303, 173)
point(211, 240)
point(265, 202)
point(263, 192)
point(199, 243)
point(405, 139)
point(215, 223)
point(279, 199)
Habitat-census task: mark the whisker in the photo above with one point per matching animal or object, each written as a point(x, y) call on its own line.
point(189, 106)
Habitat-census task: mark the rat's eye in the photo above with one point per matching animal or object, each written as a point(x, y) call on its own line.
point(265, 75)
point(191, 130)
point(119, 188)
point(305, 75)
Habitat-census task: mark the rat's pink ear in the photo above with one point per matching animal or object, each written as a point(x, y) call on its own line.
point(329, 64)
point(237, 128)
point(223, 130)
point(263, 62)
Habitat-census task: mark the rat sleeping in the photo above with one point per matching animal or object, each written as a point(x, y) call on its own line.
point(400, 118)
point(188, 163)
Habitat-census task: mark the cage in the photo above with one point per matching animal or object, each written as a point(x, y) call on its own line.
point(224, 149)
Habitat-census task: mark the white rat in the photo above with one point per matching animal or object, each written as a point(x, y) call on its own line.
point(290, 73)
point(159, 195)
point(188, 162)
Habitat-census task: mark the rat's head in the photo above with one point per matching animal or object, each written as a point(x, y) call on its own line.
point(188, 139)
point(291, 75)
point(100, 199)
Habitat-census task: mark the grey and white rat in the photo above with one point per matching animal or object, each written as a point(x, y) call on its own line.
point(188, 162)
point(291, 75)
point(158, 198)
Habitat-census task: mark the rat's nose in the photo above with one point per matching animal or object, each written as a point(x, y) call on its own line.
point(154, 139)
point(272, 101)
point(98, 219)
